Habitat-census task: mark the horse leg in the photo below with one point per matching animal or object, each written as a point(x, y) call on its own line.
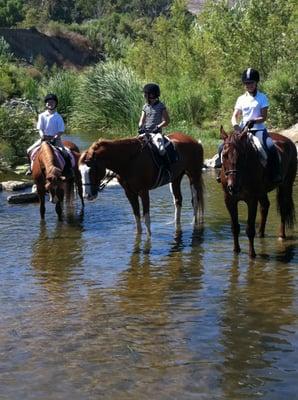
point(196, 186)
point(134, 202)
point(79, 187)
point(175, 189)
point(146, 210)
point(232, 207)
point(264, 208)
point(42, 208)
point(250, 226)
point(58, 206)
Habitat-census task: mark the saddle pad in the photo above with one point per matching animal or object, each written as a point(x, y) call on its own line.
point(58, 154)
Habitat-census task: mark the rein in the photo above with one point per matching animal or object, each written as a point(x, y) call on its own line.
point(109, 176)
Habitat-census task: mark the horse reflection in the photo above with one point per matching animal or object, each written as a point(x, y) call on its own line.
point(254, 312)
point(55, 254)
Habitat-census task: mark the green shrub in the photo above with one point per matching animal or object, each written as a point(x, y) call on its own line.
point(63, 84)
point(282, 88)
point(17, 132)
point(108, 97)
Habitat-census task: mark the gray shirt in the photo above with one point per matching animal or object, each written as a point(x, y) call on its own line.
point(153, 113)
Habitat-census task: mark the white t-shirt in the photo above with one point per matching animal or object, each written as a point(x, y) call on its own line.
point(250, 107)
point(49, 123)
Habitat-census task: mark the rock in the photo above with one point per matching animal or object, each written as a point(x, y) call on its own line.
point(23, 198)
point(213, 162)
point(12, 186)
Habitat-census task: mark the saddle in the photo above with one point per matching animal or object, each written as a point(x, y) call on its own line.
point(64, 159)
point(163, 153)
point(272, 162)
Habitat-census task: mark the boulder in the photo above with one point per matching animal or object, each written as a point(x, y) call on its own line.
point(11, 186)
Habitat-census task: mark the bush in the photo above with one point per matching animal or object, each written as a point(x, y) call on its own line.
point(281, 87)
point(17, 132)
point(108, 97)
point(63, 84)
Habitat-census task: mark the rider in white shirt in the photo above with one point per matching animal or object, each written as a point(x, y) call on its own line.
point(252, 106)
point(50, 125)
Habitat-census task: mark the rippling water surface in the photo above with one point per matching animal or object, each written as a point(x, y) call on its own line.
point(90, 311)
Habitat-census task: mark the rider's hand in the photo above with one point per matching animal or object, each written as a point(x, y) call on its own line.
point(251, 123)
point(156, 129)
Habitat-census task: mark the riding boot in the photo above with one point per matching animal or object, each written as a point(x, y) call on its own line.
point(29, 171)
point(166, 162)
point(68, 167)
point(274, 168)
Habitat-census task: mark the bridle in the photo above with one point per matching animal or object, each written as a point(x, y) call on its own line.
point(107, 178)
point(231, 172)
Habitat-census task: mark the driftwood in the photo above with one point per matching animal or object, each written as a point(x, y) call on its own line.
point(23, 198)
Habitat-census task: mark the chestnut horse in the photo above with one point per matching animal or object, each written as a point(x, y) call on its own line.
point(244, 177)
point(48, 177)
point(132, 162)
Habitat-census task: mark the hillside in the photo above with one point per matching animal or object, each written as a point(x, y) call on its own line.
point(67, 52)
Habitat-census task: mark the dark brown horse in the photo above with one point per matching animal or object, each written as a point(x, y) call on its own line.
point(244, 177)
point(48, 177)
point(131, 160)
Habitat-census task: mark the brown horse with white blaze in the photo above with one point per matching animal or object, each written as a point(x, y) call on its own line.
point(131, 160)
point(245, 178)
point(48, 177)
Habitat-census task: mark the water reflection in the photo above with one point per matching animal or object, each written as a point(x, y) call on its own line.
point(57, 252)
point(257, 309)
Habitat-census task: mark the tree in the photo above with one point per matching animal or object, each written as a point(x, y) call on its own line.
point(11, 12)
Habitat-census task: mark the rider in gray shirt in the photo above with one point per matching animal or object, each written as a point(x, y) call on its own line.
point(154, 114)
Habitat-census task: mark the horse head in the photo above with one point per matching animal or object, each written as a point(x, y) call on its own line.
point(234, 157)
point(92, 171)
point(54, 184)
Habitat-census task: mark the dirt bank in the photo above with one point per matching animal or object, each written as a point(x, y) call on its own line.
point(68, 50)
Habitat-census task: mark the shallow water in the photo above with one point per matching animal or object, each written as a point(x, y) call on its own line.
point(88, 310)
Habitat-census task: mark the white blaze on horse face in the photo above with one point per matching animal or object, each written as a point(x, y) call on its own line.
point(84, 169)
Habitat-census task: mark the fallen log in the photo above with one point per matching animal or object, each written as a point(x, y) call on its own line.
point(23, 198)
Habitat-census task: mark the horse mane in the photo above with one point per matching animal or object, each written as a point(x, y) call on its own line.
point(129, 145)
point(240, 141)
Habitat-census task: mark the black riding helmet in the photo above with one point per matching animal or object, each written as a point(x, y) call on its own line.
point(250, 75)
point(152, 88)
point(51, 96)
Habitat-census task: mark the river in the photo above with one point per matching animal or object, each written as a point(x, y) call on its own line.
point(90, 311)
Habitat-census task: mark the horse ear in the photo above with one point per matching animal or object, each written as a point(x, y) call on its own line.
point(223, 134)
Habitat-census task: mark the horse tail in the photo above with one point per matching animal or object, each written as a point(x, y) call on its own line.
point(285, 203)
point(200, 181)
point(285, 206)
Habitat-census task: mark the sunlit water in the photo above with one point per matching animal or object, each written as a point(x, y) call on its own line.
point(89, 311)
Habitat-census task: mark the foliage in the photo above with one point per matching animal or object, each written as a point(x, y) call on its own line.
point(16, 132)
point(5, 53)
point(196, 60)
point(63, 84)
point(11, 12)
point(282, 84)
point(108, 96)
